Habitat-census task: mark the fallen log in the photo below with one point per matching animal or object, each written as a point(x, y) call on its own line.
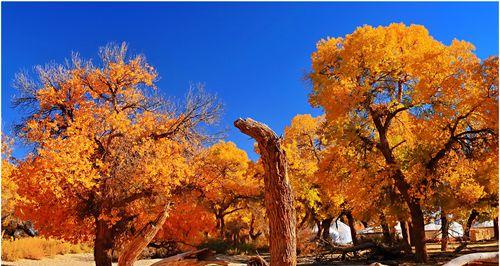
point(257, 261)
point(484, 258)
point(196, 257)
point(376, 249)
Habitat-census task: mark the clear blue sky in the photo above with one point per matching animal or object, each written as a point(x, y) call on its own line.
point(253, 55)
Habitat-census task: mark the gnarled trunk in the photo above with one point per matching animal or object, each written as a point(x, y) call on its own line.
point(278, 192)
point(142, 239)
point(444, 231)
point(103, 244)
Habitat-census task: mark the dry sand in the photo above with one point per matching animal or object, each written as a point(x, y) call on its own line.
point(83, 259)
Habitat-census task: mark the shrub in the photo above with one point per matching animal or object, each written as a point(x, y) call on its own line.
point(228, 247)
point(36, 248)
point(217, 245)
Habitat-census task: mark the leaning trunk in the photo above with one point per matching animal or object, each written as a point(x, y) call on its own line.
point(142, 239)
point(351, 222)
point(325, 228)
point(472, 217)
point(103, 244)
point(444, 231)
point(278, 192)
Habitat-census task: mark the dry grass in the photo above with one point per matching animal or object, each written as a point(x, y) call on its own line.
point(36, 248)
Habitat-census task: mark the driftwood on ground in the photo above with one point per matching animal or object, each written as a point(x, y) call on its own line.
point(197, 257)
point(484, 258)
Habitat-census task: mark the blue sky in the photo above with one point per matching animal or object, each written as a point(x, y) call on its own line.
point(254, 56)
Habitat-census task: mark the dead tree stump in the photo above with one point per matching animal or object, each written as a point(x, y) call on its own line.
point(278, 192)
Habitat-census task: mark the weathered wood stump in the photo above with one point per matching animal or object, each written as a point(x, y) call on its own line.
point(278, 192)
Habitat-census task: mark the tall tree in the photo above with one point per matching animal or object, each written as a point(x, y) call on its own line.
point(408, 92)
point(109, 153)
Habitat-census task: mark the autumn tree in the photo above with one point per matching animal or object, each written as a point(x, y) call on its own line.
point(226, 183)
point(181, 228)
point(110, 152)
point(303, 149)
point(416, 100)
point(10, 196)
point(304, 142)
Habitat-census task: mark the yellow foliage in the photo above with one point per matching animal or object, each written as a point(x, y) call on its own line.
point(37, 248)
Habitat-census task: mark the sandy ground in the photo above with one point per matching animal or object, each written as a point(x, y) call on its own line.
point(83, 259)
point(88, 259)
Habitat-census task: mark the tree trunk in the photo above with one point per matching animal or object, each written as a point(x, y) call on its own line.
point(325, 228)
point(472, 217)
point(278, 192)
point(220, 225)
point(351, 222)
point(495, 228)
point(142, 239)
point(103, 244)
point(417, 218)
point(251, 232)
point(405, 236)
point(385, 229)
point(410, 231)
point(444, 230)
point(319, 233)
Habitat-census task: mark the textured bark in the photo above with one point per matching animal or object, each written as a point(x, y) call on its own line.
point(278, 192)
point(351, 222)
point(103, 244)
point(142, 239)
point(444, 231)
point(405, 236)
point(495, 228)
